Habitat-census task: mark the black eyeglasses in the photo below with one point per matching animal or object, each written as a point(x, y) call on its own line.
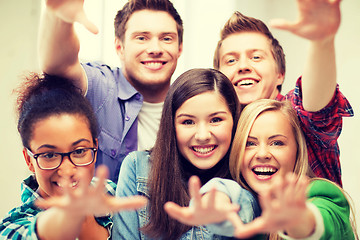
point(52, 160)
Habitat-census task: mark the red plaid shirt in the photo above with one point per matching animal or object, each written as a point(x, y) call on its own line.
point(321, 130)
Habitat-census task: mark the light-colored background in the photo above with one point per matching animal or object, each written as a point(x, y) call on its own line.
point(202, 22)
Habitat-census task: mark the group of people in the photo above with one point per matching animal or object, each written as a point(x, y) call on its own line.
point(219, 153)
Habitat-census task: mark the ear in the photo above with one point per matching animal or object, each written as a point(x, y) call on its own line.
point(180, 49)
point(28, 161)
point(119, 48)
point(280, 79)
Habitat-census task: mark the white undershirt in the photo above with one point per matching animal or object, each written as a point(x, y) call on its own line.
point(148, 124)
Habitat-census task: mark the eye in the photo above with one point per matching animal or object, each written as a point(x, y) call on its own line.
point(256, 57)
point(140, 38)
point(216, 120)
point(48, 155)
point(250, 143)
point(187, 122)
point(79, 152)
point(230, 61)
point(168, 39)
point(277, 143)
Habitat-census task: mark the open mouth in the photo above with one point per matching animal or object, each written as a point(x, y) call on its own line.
point(204, 150)
point(153, 64)
point(71, 185)
point(246, 82)
point(264, 171)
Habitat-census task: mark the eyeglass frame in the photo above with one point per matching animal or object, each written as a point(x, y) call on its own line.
point(35, 156)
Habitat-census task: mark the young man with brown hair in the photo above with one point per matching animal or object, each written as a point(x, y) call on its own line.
point(253, 60)
point(127, 101)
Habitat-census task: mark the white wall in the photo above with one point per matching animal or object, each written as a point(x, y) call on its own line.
point(203, 20)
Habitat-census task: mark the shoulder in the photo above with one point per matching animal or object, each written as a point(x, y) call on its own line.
point(329, 199)
point(322, 187)
point(136, 164)
point(137, 158)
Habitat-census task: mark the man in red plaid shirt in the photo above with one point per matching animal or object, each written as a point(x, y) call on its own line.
point(253, 60)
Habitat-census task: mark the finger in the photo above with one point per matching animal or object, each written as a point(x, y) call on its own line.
point(250, 229)
point(211, 198)
point(283, 24)
point(83, 185)
point(82, 19)
point(65, 184)
point(182, 214)
point(102, 173)
point(47, 203)
point(235, 220)
point(194, 190)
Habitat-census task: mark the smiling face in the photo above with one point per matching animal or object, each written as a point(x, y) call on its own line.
point(149, 52)
point(59, 133)
point(270, 152)
point(203, 127)
point(247, 60)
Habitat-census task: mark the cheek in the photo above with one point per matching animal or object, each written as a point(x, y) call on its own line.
point(223, 133)
point(289, 159)
point(182, 136)
point(228, 72)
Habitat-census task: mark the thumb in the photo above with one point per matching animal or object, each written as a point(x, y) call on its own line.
point(282, 24)
point(83, 20)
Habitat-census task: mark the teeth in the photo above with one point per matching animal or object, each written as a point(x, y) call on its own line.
point(203, 150)
point(73, 184)
point(153, 64)
point(246, 82)
point(265, 170)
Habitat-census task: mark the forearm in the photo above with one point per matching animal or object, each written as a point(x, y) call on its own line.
point(58, 46)
point(319, 77)
point(305, 227)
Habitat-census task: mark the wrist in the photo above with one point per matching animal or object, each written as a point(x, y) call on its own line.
point(316, 231)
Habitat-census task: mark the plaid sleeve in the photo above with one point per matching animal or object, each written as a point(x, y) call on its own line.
point(20, 224)
point(321, 130)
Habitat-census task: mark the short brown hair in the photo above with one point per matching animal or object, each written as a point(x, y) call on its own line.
point(240, 23)
point(132, 6)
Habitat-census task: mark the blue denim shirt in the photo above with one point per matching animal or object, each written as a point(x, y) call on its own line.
point(116, 104)
point(133, 181)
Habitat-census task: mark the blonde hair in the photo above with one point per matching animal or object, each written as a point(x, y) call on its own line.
point(247, 119)
point(301, 168)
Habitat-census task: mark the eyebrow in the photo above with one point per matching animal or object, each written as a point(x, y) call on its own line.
point(192, 116)
point(73, 144)
point(232, 53)
point(271, 137)
point(147, 33)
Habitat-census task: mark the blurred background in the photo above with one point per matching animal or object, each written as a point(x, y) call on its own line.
point(203, 20)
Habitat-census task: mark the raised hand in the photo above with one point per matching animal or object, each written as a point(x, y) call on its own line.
point(283, 208)
point(317, 19)
point(90, 200)
point(213, 207)
point(71, 11)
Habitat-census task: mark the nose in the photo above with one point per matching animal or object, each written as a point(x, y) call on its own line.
point(263, 153)
point(66, 167)
point(244, 66)
point(203, 133)
point(154, 47)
